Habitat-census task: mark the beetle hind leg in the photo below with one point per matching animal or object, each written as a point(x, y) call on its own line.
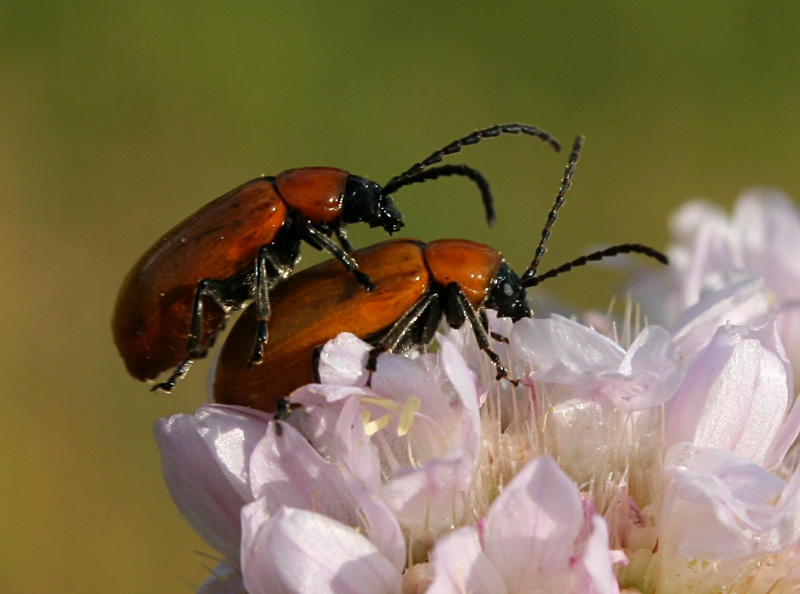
point(178, 374)
point(407, 323)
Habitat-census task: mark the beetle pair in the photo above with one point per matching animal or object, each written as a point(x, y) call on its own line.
point(418, 284)
point(234, 250)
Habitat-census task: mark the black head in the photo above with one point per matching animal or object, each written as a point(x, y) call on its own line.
point(507, 295)
point(365, 201)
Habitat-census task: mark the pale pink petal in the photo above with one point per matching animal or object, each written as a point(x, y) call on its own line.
point(204, 460)
point(789, 330)
point(717, 504)
point(382, 527)
point(430, 498)
point(744, 303)
point(559, 350)
point(438, 387)
point(286, 470)
point(735, 396)
point(646, 376)
point(462, 379)
point(343, 361)
point(767, 227)
point(531, 528)
point(460, 565)
point(338, 431)
point(705, 260)
point(785, 526)
point(298, 551)
point(592, 569)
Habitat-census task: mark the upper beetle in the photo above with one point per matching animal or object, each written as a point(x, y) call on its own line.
point(174, 301)
point(417, 285)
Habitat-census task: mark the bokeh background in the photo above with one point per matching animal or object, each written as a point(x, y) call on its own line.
point(117, 121)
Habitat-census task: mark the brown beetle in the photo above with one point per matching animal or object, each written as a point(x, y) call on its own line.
point(417, 285)
point(174, 301)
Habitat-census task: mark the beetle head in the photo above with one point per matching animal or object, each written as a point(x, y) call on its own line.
point(364, 200)
point(507, 296)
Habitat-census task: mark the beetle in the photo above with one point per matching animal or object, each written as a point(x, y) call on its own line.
point(174, 301)
point(418, 284)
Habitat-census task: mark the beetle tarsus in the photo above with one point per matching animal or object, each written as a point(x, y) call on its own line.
point(179, 372)
point(364, 280)
point(262, 336)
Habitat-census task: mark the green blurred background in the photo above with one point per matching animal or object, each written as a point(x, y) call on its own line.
point(117, 122)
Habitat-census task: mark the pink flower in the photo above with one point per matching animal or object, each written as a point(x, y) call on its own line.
point(663, 462)
point(713, 252)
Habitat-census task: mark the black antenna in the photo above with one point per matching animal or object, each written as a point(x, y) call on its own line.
point(447, 170)
point(566, 183)
point(624, 248)
point(455, 147)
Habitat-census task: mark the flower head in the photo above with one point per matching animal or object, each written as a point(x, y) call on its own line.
point(661, 463)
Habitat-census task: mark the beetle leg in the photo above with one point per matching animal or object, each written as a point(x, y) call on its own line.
point(477, 328)
point(494, 335)
point(283, 410)
point(263, 282)
point(217, 291)
point(179, 372)
point(318, 239)
point(341, 236)
point(399, 330)
point(263, 310)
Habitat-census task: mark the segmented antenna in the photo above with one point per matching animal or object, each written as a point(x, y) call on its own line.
point(624, 248)
point(455, 147)
point(566, 183)
point(447, 170)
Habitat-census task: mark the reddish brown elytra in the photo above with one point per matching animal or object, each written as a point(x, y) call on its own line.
point(418, 285)
point(174, 301)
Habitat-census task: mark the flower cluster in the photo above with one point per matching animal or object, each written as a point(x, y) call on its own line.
point(644, 460)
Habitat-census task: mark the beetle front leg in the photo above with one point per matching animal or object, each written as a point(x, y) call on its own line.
point(341, 236)
point(321, 241)
point(481, 335)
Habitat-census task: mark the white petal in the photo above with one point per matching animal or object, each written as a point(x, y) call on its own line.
point(430, 498)
point(286, 470)
point(717, 504)
point(461, 567)
point(735, 396)
point(343, 361)
point(299, 551)
point(203, 459)
point(531, 528)
point(562, 351)
point(744, 303)
point(593, 569)
point(767, 227)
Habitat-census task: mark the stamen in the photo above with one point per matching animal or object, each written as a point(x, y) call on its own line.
point(372, 427)
point(407, 414)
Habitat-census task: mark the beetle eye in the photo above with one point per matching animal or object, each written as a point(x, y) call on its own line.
point(507, 289)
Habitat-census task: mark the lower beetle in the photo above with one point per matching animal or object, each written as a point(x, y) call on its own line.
point(417, 284)
point(174, 301)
